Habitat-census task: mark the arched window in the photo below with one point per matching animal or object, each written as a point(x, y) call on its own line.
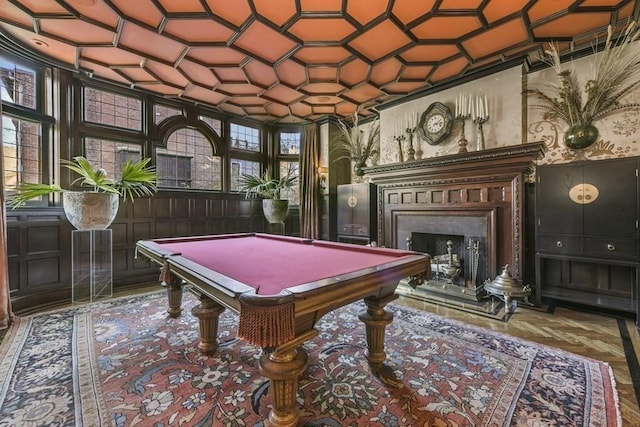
point(188, 161)
point(162, 112)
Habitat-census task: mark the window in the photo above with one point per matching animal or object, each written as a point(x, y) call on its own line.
point(244, 138)
point(242, 167)
point(214, 124)
point(25, 134)
point(289, 143)
point(188, 162)
point(161, 112)
point(289, 162)
point(293, 194)
point(21, 148)
point(18, 84)
point(176, 170)
point(111, 155)
point(111, 109)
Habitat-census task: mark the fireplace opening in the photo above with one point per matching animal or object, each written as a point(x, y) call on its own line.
point(436, 244)
point(461, 244)
point(456, 259)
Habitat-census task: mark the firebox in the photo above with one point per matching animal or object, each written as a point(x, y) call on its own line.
point(460, 244)
point(455, 259)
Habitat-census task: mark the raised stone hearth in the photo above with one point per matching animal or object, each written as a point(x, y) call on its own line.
point(476, 196)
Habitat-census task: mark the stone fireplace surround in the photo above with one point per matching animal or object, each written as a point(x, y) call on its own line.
point(452, 193)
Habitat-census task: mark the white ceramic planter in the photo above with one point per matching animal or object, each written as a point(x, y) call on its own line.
point(88, 210)
point(275, 211)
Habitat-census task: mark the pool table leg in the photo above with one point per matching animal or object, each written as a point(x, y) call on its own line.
point(376, 318)
point(283, 369)
point(174, 293)
point(208, 313)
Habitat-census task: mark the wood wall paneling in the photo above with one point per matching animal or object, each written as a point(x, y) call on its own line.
point(39, 240)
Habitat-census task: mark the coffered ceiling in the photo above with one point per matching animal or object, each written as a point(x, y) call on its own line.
point(299, 60)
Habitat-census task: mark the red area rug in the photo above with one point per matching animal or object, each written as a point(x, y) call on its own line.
point(126, 363)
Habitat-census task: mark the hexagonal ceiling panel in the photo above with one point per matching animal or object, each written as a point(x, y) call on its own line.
point(295, 61)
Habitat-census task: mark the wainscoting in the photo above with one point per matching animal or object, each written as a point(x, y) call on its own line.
point(39, 239)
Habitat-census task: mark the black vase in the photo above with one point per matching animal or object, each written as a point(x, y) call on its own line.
point(581, 136)
point(358, 171)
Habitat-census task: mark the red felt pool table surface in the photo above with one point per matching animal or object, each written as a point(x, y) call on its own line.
point(270, 263)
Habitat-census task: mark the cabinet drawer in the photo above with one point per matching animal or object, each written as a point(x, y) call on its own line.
point(611, 248)
point(355, 230)
point(560, 245)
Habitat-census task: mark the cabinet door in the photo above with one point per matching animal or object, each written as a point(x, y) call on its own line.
point(361, 209)
point(345, 213)
point(614, 212)
point(555, 211)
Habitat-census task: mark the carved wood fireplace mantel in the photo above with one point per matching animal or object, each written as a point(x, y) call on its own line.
point(452, 193)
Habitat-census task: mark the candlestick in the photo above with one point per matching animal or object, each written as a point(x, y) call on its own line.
point(479, 121)
point(399, 139)
point(462, 142)
point(480, 117)
point(411, 152)
point(480, 141)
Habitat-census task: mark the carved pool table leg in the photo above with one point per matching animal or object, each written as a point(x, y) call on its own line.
point(174, 293)
point(208, 313)
point(283, 369)
point(376, 318)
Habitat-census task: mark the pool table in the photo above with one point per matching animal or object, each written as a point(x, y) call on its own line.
point(280, 287)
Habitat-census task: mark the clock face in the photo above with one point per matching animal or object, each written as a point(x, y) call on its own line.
point(435, 124)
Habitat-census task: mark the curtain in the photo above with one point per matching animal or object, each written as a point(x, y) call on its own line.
point(309, 183)
point(5, 299)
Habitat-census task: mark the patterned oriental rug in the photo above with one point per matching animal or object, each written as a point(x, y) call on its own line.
point(124, 362)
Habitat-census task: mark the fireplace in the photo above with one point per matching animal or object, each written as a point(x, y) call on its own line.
point(461, 243)
point(468, 199)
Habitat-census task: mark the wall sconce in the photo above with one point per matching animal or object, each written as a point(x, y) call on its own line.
point(323, 171)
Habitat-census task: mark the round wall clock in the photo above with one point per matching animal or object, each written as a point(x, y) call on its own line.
point(435, 123)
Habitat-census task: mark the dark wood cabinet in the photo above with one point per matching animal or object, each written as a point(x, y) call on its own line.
point(587, 237)
point(357, 221)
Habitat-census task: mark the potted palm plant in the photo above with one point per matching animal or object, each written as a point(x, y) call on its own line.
point(96, 207)
point(268, 187)
point(353, 144)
